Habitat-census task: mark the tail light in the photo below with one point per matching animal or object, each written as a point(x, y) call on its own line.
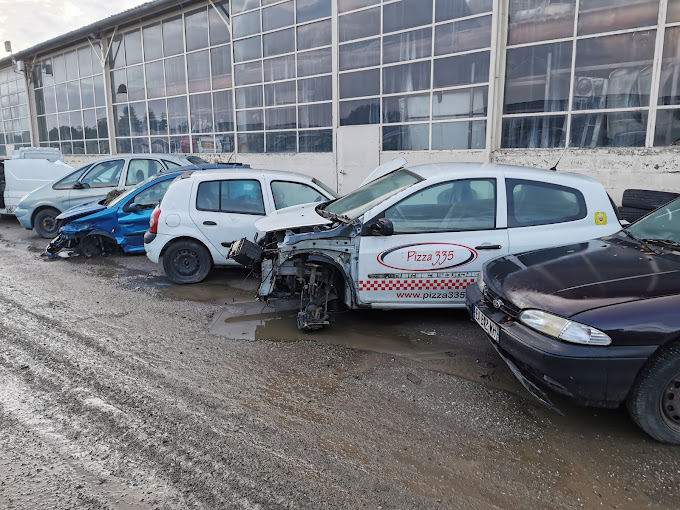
point(153, 223)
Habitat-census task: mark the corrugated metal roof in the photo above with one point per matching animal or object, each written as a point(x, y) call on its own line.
point(129, 16)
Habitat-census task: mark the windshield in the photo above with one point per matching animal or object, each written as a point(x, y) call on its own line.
point(662, 224)
point(129, 192)
point(325, 188)
point(358, 202)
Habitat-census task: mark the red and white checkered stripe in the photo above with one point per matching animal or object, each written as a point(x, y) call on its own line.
point(445, 284)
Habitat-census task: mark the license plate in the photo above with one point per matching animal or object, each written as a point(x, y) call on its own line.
point(487, 324)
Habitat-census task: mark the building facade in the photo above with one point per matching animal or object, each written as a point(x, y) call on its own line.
point(335, 87)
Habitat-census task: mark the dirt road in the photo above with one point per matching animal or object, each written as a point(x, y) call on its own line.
point(120, 390)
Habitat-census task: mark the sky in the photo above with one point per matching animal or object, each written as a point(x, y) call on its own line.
point(29, 22)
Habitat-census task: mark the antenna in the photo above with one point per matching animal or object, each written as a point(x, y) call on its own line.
point(554, 167)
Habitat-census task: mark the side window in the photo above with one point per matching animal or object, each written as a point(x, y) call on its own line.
point(141, 169)
point(104, 175)
point(152, 195)
point(465, 204)
point(171, 164)
point(532, 203)
point(233, 196)
point(68, 181)
point(287, 194)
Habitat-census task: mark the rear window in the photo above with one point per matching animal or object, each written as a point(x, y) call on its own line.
point(532, 203)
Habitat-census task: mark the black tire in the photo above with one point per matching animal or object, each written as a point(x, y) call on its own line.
point(45, 223)
point(187, 262)
point(632, 213)
point(646, 199)
point(654, 404)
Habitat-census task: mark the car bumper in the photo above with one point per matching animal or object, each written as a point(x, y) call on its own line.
point(153, 245)
point(24, 217)
point(593, 375)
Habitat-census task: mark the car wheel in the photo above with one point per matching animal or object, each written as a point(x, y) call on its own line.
point(655, 401)
point(45, 223)
point(187, 262)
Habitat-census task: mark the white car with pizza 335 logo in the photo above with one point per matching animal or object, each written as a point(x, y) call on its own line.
point(417, 237)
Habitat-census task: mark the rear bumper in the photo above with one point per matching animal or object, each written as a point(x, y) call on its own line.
point(153, 245)
point(601, 376)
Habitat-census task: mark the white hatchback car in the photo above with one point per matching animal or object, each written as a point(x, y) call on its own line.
point(417, 237)
point(202, 213)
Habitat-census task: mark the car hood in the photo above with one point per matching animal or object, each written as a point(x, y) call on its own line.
point(568, 280)
point(292, 217)
point(81, 210)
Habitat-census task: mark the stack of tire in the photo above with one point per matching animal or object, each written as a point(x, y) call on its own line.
point(636, 203)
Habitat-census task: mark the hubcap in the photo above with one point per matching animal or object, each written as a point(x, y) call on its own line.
point(49, 223)
point(670, 403)
point(187, 263)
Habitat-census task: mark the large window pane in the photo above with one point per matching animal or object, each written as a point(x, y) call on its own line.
point(314, 62)
point(102, 124)
point(173, 38)
point(121, 115)
point(350, 5)
point(281, 118)
point(248, 73)
point(453, 9)
point(218, 19)
point(358, 25)
point(534, 132)
point(249, 97)
point(53, 127)
point(532, 25)
point(247, 49)
point(278, 16)
point(138, 119)
point(280, 93)
point(316, 141)
point(280, 68)
point(221, 67)
point(225, 143)
point(406, 78)
point(315, 115)
point(175, 78)
point(461, 70)
point(407, 46)
point(459, 135)
point(155, 79)
point(200, 108)
point(461, 36)
point(250, 120)
point(285, 141)
point(50, 100)
point(133, 47)
point(406, 108)
point(361, 83)
point(73, 88)
point(85, 61)
point(307, 10)
point(39, 103)
point(116, 54)
point(196, 29)
point(537, 78)
point(617, 129)
point(178, 118)
point(246, 24)
point(406, 138)
point(667, 127)
point(363, 111)
point(614, 71)
point(244, 5)
point(451, 104)
point(312, 90)
point(224, 111)
point(251, 143)
point(76, 126)
point(71, 61)
point(87, 92)
point(135, 83)
point(99, 90)
point(158, 117)
point(596, 16)
point(153, 42)
point(198, 69)
point(279, 42)
point(314, 35)
point(669, 85)
point(406, 14)
point(360, 54)
point(62, 98)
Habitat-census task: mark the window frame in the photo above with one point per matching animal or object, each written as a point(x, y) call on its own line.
point(511, 183)
point(219, 197)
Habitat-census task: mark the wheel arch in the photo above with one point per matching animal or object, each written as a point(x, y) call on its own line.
point(348, 289)
point(42, 208)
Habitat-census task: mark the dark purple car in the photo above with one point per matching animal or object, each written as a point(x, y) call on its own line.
point(597, 322)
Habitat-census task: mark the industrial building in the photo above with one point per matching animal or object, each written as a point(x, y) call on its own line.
point(335, 87)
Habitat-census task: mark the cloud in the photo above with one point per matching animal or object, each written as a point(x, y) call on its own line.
point(29, 22)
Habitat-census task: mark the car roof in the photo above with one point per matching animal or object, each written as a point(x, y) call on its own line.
point(439, 170)
point(255, 171)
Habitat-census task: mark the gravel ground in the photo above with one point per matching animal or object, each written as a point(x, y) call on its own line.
point(120, 390)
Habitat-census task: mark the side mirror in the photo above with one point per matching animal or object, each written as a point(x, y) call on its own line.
point(382, 227)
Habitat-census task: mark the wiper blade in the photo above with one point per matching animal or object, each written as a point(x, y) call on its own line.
point(665, 242)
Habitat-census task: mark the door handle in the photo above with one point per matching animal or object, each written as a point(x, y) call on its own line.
point(487, 246)
point(211, 223)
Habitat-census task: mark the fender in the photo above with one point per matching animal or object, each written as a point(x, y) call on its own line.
point(349, 284)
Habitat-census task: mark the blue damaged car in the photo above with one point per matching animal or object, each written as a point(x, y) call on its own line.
point(119, 222)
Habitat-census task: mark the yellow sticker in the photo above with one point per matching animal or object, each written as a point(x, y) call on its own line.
point(600, 218)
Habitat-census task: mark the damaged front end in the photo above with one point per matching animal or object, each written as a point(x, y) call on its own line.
point(312, 264)
point(88, 243)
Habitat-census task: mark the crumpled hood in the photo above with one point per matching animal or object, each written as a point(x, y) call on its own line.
point(291, 217)
point(80, 210)
point(572, 279)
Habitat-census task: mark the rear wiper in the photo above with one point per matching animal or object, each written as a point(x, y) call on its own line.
point(665, 242)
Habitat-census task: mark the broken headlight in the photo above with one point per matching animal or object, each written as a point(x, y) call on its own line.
point(563, 329)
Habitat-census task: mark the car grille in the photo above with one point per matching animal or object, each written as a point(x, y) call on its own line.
point(496, 301)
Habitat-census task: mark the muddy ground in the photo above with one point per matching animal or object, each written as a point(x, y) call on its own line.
point(121, 390)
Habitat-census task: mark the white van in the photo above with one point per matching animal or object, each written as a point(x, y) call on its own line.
point(27, 170)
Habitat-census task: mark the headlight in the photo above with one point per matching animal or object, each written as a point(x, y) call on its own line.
point(564, 329)
point(480, 282)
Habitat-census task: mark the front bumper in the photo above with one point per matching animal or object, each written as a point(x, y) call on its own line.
point(25, 217)
point(592, 375)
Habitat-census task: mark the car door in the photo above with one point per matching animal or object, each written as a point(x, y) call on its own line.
point(97, 182)
point(542, 214)
point(442, 235)
point(140, 169)
point(135, 213)
point(225, 210)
